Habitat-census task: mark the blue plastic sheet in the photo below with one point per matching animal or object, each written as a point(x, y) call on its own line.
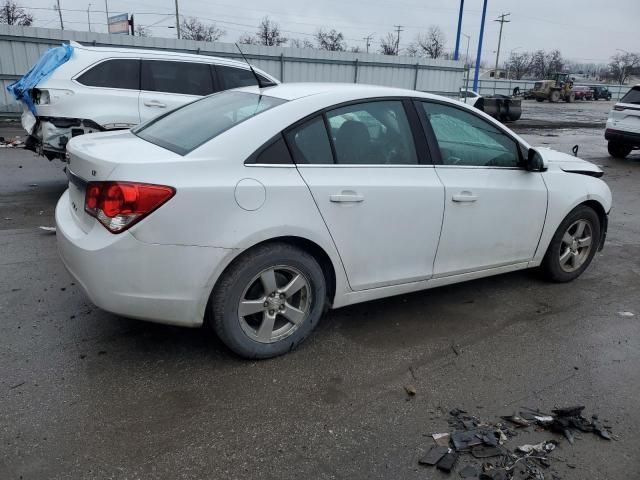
point(52, 59)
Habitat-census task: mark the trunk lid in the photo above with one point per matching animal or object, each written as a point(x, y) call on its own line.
point(93, 157)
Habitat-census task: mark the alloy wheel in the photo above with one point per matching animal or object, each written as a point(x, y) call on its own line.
point(576, 245)
point(275, 303)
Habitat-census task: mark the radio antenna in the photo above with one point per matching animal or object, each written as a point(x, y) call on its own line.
point(262, 82)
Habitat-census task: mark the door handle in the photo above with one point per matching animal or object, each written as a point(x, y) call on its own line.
point(155, 103)
point(346, 197)
point(465, 196)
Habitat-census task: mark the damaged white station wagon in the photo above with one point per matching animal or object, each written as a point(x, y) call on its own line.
point(75, 89)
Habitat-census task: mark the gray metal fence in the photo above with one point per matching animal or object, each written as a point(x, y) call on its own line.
point(505, 87)
point(20, 48)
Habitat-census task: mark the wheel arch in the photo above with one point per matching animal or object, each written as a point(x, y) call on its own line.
point(309, 246)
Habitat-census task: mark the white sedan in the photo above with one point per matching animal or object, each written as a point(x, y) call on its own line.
point(254, 210)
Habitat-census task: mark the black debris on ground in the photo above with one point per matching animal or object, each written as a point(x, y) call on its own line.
point(472, 441)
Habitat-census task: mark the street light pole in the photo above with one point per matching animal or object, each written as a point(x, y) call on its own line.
point(89, 16)
point(106, 9)
point(177, 21)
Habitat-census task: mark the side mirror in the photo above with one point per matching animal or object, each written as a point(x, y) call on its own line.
point(534, 161)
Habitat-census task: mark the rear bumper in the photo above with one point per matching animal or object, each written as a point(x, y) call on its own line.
point(619, 136)
point(120, 274)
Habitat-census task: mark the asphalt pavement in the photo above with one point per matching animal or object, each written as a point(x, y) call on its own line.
point(88, 394)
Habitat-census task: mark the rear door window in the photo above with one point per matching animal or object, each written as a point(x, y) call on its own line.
point(115, 73)
point(632, 96)
point(187, 78)
point(232, 77)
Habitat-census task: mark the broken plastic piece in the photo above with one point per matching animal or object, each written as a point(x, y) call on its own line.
point(441, 439)
point(482, 451)
point(542, 447)
point(447, 462)
point(434, 455)
point(517, 420)
point(568, 411)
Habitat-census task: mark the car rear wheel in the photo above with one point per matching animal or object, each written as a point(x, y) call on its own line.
point(618, 150)
point(573, 245)
point(269, 301)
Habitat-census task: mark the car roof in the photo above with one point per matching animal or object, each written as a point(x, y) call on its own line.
point(294, 91)
point(158, 53)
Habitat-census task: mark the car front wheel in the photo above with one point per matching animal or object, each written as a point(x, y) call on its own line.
point(573, 245)
point(268, 301)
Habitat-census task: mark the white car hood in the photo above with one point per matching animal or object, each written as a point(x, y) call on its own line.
point(569, 163)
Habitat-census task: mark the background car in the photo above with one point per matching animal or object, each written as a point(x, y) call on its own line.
point(601, 92)
point(253, 210)
point(469, 96)
point(623, 125)
point(93, 89)
point(583, 93)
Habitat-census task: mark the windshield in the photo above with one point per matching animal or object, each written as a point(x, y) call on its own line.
point(632, 96)
point(186, 128)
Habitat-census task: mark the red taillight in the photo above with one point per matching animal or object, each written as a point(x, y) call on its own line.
point(119, 205)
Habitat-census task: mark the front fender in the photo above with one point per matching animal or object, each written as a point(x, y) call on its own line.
point(566, 192)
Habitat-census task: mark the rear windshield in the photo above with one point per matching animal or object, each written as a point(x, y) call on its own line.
point(186, 128)
point(632, 96)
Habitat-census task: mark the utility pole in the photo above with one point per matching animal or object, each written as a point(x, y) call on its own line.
point(502, 22)
point(367, 41)
point(106, 9)
point(398, 29)
point(177, 21)
point(60, 14)
point(455, 53)
point(89, 16)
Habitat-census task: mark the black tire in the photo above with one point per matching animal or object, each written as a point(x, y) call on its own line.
point(618, 150)
point(538, 99)
point(551, 264)
point(239, 278)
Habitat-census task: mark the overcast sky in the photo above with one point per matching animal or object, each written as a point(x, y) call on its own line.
point(584, 30)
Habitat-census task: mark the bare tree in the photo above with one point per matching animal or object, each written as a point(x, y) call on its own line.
point(142, 31)
point(332, 40)
point(355, 49)
point(193, 29)
point(518, 65)
point(622, 65)
point(12, 14)
point(545, 64)
point(269, 33)
point(247, 39)
point(297, 43)
point(433, 42)
point(389, 44)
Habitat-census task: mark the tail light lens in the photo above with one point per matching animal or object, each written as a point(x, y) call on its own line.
point(120, 205)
